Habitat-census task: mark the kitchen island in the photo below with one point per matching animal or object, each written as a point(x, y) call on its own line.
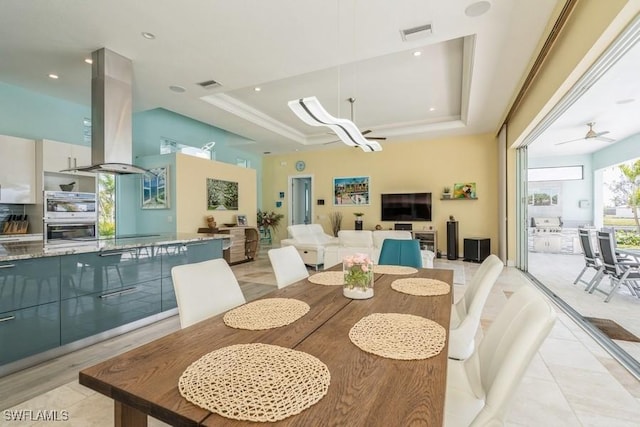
point(58, 298)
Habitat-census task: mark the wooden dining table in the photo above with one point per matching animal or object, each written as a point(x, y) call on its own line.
point(365, 389)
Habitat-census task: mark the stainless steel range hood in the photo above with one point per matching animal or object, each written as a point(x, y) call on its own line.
point(111, 117)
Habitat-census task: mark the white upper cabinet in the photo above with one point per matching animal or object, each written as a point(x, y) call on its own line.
point(17, 170)
point(58, 156)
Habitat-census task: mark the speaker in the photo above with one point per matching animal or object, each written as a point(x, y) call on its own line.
point(476, 249)
point(452, 240)
point(402, 226)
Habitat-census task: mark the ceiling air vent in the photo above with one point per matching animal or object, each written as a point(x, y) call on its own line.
point(210, 84)
point(418, 32)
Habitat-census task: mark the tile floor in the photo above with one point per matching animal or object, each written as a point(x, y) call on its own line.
point(572, 381)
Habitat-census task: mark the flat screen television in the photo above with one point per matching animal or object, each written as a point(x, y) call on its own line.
point(406, 207)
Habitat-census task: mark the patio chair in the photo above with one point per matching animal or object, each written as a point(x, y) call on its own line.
point(620, 272)
point(591, 260)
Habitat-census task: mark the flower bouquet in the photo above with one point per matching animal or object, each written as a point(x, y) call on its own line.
point(358, 276)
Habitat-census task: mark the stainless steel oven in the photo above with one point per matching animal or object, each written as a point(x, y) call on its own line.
point(69, 205)
point(69, 232)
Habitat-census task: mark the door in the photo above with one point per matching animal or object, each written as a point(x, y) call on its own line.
point(300, 198)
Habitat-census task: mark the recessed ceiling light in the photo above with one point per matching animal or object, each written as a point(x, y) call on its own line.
point(432, 108)
point(417, 53)
point(478, 8)
point(53, 76)
point(148, 36)
point(88, 60)
point(257, 88)
point(177, 89)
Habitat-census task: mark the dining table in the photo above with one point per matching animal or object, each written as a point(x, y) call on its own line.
point(365, 389)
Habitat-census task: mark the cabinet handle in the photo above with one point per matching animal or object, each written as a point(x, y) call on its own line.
point(118, 293)
point(75, 162)
point(0, 191)
point(68, 162)
point(196, 244)
point(7, 266)
point(112, 253)
point(6, 319)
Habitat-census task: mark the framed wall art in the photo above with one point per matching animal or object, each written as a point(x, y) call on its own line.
point(351, 191)
point(222, 195)
point(465, 190)
point(241, 220)
point(155, 188)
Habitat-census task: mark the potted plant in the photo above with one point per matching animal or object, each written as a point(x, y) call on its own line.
point(359, 215)
point(446, 193)
point(267, 221)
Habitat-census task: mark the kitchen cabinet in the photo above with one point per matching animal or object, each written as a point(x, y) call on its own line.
point(29, 282)
point(57, 156)
point(547, 243)
point(29, 331)
point(17, 170)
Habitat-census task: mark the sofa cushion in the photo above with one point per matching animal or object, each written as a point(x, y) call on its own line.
point(355, 238)
point(380, 235)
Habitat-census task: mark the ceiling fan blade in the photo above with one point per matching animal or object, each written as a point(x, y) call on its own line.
point(364, 132)
point(377, 138)
point(571, 140)
point(604, 138)
point(599, 134)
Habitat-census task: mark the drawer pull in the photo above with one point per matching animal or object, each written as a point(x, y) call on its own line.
point(6, 319)
point(7, 266)
point(196, 244)
point(112, 253)
point(118, 293)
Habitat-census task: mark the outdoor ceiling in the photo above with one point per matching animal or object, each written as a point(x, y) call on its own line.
point(612, 102)
point(462, 83)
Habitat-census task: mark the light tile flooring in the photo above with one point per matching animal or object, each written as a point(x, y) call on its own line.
point(571, 381)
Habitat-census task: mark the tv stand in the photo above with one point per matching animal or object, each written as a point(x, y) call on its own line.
point(427, 238)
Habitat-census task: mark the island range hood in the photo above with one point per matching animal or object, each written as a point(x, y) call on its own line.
point(111, 115)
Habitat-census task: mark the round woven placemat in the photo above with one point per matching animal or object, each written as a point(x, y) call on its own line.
point(398, 336)
point(394, 269)
point(330, 278)
point(255, 382)
point(266, 313)
point(421, 286)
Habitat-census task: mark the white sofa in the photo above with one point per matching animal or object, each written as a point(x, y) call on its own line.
point(369, 242)
point(311, 242)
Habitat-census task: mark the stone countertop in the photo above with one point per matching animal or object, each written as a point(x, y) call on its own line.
point(10, 251)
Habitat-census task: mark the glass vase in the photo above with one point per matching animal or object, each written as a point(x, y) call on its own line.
point(358, 276)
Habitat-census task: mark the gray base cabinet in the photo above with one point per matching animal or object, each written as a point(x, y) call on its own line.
point(51, 301)
point(29, 331)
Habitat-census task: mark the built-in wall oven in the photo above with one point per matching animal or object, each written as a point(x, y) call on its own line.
point(69, 217)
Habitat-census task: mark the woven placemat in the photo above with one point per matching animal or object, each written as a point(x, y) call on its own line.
point(255, 382)
point(394, 269)
point(329, 278)
point(421, 286)
point(398, 336)
point(266, 314)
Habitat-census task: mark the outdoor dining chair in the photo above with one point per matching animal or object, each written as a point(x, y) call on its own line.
point(591, 260)
point(620, 272)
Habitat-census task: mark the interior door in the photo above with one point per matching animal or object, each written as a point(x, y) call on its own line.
point(300, 198)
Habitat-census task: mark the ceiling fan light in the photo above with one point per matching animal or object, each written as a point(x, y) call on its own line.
point(310, 111)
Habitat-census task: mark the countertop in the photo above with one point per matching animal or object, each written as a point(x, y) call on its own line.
point(15, 250)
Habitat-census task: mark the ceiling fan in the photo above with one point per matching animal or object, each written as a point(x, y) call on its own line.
point(364, 132)
point(591, 134)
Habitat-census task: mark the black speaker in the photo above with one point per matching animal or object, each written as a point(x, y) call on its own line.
point(452, 240)
point(476, 249)
point(402, 226)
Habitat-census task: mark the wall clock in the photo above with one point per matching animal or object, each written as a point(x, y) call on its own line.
point(300, 165)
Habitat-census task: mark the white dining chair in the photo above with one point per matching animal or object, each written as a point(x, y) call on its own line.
point(466, 312)
point(480, 388)
point(287, 265)
point(204, 289)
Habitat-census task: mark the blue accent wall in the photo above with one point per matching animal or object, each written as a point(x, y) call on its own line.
point(32, 115)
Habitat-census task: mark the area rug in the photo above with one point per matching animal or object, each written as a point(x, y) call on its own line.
point(612, 329)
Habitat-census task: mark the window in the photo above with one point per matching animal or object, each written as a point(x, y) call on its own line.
point(559, 173)
point(243, 163)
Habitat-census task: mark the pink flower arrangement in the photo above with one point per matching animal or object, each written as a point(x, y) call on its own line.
point(358, 271)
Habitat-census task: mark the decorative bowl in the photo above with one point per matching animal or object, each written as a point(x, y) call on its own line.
point(67, 187)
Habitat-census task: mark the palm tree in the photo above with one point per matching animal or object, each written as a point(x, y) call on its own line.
point(632, 188)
